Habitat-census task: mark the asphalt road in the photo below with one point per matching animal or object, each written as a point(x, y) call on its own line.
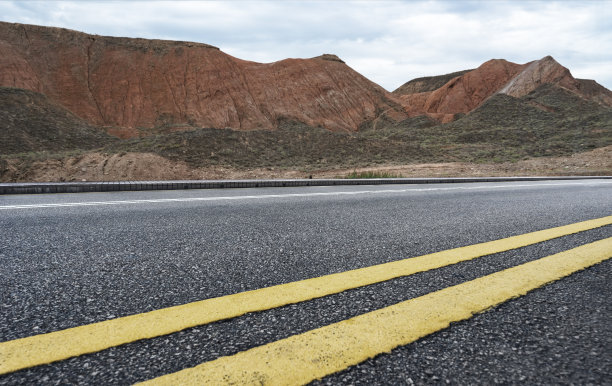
point(73, 259)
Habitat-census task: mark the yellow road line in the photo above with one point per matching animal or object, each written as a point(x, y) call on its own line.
point(46, 348)
point(303, 358)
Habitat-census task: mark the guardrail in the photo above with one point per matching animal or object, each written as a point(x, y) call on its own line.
point(81, 187)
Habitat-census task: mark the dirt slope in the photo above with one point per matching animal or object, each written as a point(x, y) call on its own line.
point(137, 166)
point(137, 83)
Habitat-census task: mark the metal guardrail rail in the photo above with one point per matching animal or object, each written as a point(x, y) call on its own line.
point(82, 187)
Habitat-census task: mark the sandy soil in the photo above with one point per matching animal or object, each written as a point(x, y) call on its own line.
point(146, 166)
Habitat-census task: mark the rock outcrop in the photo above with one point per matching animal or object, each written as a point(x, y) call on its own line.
point(125, 83)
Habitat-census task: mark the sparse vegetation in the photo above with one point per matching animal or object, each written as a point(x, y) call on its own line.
point(30, 122)
point(372, 174)
point(427, 83)
point(548, 122)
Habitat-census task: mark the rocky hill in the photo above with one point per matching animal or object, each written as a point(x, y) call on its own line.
point(125, 83)
point(467, 90)
point(82, 106)
point(134, 87)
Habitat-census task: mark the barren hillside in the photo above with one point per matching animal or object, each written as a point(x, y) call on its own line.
point(129, 83)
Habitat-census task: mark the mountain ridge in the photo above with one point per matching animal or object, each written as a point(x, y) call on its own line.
point(130, 83)
point(66, 95)
point(134, 86)
point(469, 89)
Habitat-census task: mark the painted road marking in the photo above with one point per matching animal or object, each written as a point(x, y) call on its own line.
point(289, 195)
point(302, 358)
point(46, 348)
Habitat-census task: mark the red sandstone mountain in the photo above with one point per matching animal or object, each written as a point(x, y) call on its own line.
point(136, 83)
point(548, 71)
point(468, 90)
point(462, 93)
point(132, 85)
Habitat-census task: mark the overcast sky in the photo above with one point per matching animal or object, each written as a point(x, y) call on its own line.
point(390, 42)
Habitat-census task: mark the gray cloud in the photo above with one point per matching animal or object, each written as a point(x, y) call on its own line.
point(390, 42)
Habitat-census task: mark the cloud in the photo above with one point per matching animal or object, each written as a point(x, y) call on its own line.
point(390, 42)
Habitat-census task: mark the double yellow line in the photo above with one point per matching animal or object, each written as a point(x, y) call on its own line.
point(332, 348)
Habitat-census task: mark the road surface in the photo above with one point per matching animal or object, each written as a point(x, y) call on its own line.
point(71, 260)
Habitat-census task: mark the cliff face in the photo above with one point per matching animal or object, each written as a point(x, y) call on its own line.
point(129, 83)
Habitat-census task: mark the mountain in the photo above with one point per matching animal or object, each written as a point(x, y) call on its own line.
point(66, 96)
point(134, 87)
point(548, 71)
point(466, 90)
point(129, 84)
point(463, 93)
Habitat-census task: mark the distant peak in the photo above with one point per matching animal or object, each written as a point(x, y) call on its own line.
point(534, 74)
point(496, 61)
point(330, 57)
point(548, 60)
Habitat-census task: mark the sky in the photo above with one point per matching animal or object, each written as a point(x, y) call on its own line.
point(389, 42)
